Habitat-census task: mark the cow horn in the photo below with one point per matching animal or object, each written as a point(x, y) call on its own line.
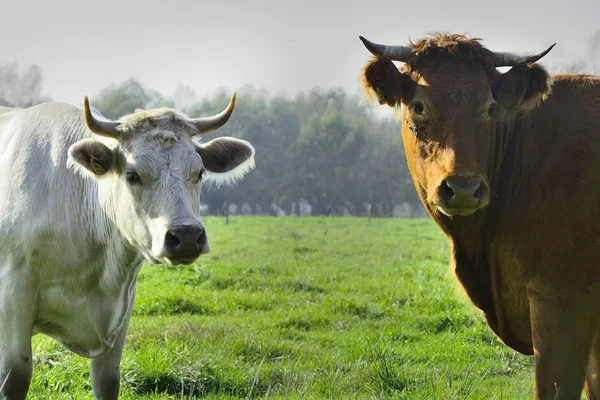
point(99, 127)
point(512, 59)
point(396, 53)
point(208, 124)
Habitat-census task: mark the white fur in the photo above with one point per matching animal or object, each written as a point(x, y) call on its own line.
point(71, 243)
point(233, 176)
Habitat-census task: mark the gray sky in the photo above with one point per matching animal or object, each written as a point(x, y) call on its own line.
point(85, 45)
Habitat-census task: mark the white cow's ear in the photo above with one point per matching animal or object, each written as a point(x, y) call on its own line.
point(226, 159)
point(94, 156)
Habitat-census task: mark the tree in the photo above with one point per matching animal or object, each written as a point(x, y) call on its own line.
point(586, 64)
point(383, 161)
point(118, 100)
point(323, 146)
point(272, 126)
point(20, 90)
point(184, 97)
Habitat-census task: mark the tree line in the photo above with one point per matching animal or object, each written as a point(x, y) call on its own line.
point(320, 152)
point(322, 149)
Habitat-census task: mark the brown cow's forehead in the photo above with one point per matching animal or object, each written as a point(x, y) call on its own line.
point(454, 84)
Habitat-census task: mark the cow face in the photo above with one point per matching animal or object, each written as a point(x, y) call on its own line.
point(453, 101)
point(149, 180)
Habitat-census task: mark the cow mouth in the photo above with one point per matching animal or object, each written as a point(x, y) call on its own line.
point(181, 260)
point(453, 212)
point(150, 258)
point(467, 209)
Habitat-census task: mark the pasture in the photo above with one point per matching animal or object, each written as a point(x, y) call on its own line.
point(311, 308)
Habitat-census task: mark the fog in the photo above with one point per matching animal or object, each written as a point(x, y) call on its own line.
point(82, 47)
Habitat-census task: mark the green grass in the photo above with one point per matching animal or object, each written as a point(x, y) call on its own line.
point(311, 308)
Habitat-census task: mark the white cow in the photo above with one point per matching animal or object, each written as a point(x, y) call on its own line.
point(83, 201)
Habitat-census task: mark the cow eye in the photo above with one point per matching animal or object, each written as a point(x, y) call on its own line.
point(133, 178)
point(491, 109)
point(200, 174)
point(418, 107)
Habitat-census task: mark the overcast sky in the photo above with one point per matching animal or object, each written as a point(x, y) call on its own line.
point(85, 45)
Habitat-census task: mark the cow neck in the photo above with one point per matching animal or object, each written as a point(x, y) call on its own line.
point(470, 236)
point(470, 258)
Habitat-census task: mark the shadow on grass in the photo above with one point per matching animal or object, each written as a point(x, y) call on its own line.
point(358, 309)
point(305, 323)
point(200, 384)
point(446, 323)
point(195, 385)
point(172, 306)
point(387, 372)
point(303, 286)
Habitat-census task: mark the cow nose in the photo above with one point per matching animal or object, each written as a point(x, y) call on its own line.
point(463, 193)
point(185, 241)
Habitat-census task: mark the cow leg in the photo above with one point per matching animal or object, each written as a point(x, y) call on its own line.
point(15, 377)
point(16, 326)
point(562, 340)
point(15, 368)
point(592, 378)
point(105, 370)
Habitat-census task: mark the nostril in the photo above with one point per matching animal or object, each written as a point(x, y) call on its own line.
point(202, 238)
point(172, 241)
point(478, 193)
point(446, 192)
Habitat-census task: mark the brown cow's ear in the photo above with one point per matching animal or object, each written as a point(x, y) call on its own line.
point(95, 157)
point(382, 81)
point(522, 88)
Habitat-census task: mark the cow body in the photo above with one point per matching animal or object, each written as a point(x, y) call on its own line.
point(508, 166)
point(70, 248)
point(55, 240)
point(540, 232)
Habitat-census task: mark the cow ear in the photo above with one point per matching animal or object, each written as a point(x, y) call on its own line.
point(94, 156)
point(522, 88)
point(226, 159)
point(382, 81)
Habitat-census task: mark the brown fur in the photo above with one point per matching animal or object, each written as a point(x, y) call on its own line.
point(458, 46)
point(529, 259)
point(382, 82)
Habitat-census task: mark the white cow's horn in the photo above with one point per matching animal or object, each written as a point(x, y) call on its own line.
point(208, 124)
point(98, 126)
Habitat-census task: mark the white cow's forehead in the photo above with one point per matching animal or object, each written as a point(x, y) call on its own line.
point(157, 150)
point(161, 119)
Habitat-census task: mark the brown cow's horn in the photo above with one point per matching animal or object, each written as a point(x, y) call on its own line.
point(208, 124)
point(396, 53)
point(99, 127)
point(512, 59)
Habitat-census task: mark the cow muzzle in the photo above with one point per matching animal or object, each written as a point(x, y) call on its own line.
point(184, 244)
point(463, 196)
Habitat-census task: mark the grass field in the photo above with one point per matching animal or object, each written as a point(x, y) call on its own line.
point(311, 308)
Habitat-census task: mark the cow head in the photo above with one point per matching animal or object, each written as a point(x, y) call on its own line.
point(453, 104)
point(149, 172)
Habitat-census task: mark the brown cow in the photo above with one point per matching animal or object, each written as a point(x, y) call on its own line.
point(508, 166)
